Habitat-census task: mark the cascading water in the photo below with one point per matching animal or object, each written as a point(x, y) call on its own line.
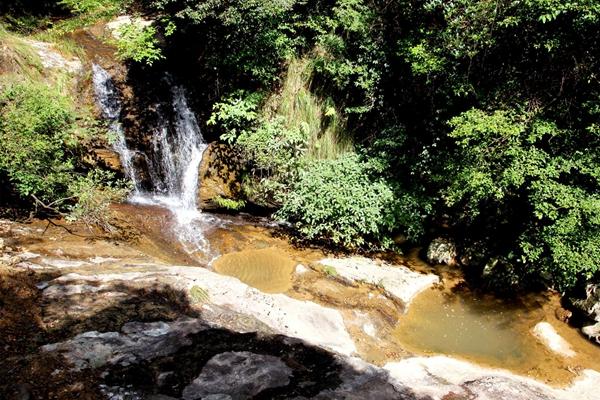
point(107, 97)
point(177, 148)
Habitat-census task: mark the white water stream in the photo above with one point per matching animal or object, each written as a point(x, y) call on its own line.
point(173, 165)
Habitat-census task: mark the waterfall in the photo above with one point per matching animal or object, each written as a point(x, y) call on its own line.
point(173, 161)
point(109, 102)
point(178, 156)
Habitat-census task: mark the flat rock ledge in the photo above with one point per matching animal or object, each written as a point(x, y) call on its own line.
point(441, 377)
point(399, 282)
point(592, 332)
point(591, 306)
point(243, 369)
point(311, 322)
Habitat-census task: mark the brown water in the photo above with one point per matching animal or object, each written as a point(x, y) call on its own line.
point(268, 270)
point(466, 325)
point(492, 332)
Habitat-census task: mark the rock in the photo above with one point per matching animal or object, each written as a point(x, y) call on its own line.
point(321, 326)
point(219, 176)
point(305, 320)
point(591, 307)
point(27, 255)
point(562, 314)
point(399, 282)
point(474, 254)
point(137, 341)
point(551, 339)
point(441, 377)
point(442, 251)
point(592, 302)
point(51, 58)
point(62, 263)
point(5, 227)
point(105, 157)
point(2, 244)
point(592, 332)
point(301, 269)
point(238, 375)
point(103, 260)
point(360, 380)
point(500, 388)
point(63, 291)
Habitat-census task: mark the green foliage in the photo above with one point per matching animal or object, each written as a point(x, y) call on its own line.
point(87, 12)
point(277, 137)
point(239, 30)
point(481, 115)
point(229, 204)
point(91, 6)
point(138, 42)
point(300, 108)
point(349, 53)
point(235, 115)
point(39, 153)
point(342, 202)
point(37, 139)
point(506, 164)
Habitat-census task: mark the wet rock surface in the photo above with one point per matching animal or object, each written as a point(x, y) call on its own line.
point(302, 319)
point(136, 342)
point(51, 58)
point(550, 338)
point(399, 282)
point(442, 251)
point(591, 307)
point(442, 377)
point(219, 175)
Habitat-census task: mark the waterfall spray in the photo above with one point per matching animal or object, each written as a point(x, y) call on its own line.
point(173, 163)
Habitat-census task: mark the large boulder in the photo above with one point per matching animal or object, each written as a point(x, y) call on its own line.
point(219, 176)
point(238, 375)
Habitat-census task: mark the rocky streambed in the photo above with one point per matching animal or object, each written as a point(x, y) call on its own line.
point(140, 318)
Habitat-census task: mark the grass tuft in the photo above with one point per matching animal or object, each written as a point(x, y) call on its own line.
point(317, 118)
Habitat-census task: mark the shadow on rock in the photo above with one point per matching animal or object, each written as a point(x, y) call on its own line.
point(126, 342)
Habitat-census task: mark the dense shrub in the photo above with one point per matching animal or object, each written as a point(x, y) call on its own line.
point(342, 202)
point(520, 165)
point(37, 140)
point(39, 153)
